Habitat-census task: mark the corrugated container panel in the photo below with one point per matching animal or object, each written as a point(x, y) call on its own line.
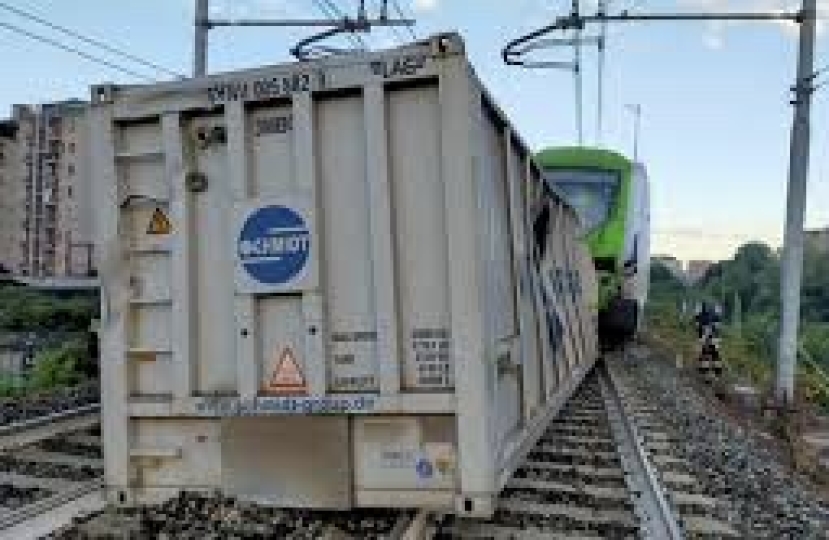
point(212, 231)
point(346, 224)
point(269, 133)
point(419, 221)
point(561, 286)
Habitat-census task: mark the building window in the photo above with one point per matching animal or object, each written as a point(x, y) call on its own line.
point(69, 192)
point(71, 147)
point(70, 169)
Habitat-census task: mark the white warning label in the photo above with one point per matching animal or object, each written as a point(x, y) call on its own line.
point(431, 349)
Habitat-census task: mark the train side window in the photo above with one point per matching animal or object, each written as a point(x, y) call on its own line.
point(631, 264)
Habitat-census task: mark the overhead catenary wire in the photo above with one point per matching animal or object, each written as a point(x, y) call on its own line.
point(88, 40)
point(402, 14)
point(357, 38)
point(331, 10)
point(384, 14)
point(334, 14)
point(57, 44)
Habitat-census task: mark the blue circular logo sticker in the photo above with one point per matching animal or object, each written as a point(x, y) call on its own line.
point(424, 468)
point(274, 245)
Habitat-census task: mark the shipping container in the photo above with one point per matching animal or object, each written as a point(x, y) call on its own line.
point(339, 283)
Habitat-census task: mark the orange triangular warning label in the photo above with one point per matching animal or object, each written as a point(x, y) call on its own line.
point(159, 223)
point(287, 377)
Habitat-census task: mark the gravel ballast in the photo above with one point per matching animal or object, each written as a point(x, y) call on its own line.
point(762, 498)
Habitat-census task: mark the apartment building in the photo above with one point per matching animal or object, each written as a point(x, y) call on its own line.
point(46, 223)
point(10, 198)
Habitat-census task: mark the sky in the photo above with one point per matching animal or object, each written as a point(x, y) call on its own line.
point(716, 117)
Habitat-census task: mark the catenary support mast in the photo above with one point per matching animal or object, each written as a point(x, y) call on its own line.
point(791, 268)
point(200, 44)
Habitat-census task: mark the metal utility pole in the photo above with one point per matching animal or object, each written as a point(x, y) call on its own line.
point(602, 10)
point(636, 109)
point(200, 44)
point(791, 265)
point(577, 79)
point(577, 89)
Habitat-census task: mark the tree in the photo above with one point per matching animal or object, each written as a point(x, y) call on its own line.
point(58, 367)
point(815, 305)
point(754, 256)
point(9, 387)
point(665, 285)
point(23, 309)
point(815, 339)
point(753, 274)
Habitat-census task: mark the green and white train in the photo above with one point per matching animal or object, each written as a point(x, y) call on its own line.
point(611, 196)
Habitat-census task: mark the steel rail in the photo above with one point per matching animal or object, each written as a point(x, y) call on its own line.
point(12, 435)
point(651, 502)
point(29, 423)
point(42, 506)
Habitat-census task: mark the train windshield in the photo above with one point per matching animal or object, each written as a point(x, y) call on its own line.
point(591, 192)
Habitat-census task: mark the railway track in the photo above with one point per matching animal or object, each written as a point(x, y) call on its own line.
point(604, 468)
point(48, 426)
point(29, 420)
point(612, 464)
point(16, 411)
point(41, 478)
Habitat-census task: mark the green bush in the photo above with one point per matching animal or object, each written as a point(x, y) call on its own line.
point(58, 367)
point(9, 387)
point(23, 309)
point(815, 339)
